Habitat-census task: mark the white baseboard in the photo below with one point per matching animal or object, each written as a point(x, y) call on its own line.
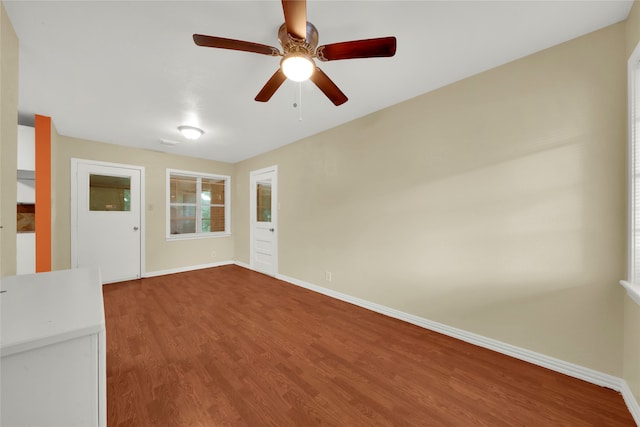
point(631, 401)
point(557, 365)
point(185, 269)
point(243, 265)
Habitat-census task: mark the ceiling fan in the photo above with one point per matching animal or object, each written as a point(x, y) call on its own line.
point(299, 41)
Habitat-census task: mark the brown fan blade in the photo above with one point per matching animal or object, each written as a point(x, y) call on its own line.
point(328, 87)
point(295, 17)
point(222, 43)
point(369, 48)
point(271, 86)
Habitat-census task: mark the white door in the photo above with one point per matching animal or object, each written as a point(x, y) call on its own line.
point(108, 222)
point(264, 220)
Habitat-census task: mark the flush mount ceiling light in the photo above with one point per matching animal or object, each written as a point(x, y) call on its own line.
point(190, 132)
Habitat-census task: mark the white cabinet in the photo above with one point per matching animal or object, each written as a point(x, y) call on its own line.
point(26, 240)
point(26, 250)
point(26, 148)
point(53, 350)
point(26, 164)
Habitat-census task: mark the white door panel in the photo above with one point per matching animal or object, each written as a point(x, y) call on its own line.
point(108, 227)
point(264, 213)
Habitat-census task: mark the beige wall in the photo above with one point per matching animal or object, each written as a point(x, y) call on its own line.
point(633, 27)
point(160, 254)
point(57, 168)
point(8, 143)
point(495, 205)
point(631, 370)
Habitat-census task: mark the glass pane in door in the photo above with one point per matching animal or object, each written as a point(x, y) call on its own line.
point(263, 204)
point(109, 193)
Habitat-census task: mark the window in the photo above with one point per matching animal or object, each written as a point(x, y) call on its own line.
point(198, 205)
point(632, 284)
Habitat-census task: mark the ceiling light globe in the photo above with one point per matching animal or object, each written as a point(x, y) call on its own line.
point(190, 132)
point(297, 67)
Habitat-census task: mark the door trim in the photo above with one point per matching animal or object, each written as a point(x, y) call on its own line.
point(274, 218)
point(75, 162)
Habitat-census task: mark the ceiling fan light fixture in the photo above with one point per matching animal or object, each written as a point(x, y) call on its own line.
point(297, 66)
point(299, 40)
point(191, 132)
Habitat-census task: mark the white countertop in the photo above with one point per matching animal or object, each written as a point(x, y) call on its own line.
point(45, 308)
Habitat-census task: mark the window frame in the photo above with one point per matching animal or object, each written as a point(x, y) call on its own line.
point(632, 284)
point(198, 234)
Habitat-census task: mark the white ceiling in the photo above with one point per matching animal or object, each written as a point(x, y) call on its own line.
point(128, 72)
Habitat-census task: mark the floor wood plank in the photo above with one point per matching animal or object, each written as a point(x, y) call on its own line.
point(230, 347)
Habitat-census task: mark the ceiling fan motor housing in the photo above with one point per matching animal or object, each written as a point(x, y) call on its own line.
point(291, 44)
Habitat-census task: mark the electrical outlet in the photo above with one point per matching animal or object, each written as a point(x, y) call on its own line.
point(327, 276)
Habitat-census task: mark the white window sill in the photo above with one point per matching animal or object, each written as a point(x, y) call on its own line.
point(633, 290)
point(196, 236)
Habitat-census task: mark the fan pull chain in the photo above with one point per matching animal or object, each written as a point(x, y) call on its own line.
point(299, 101)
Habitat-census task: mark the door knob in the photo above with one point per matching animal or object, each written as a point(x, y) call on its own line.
point(135, 228)
point(271, 230)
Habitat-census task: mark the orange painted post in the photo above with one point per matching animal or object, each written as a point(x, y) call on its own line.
point(43, 193)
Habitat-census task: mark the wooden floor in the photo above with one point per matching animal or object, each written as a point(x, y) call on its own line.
point(231, 347)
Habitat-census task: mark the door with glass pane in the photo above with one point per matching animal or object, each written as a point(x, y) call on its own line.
point(108, 220)
point(264, 213)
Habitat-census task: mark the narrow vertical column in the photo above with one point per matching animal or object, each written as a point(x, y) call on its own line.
point(43, 193)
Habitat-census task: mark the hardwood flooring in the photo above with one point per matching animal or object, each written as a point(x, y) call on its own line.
point(231, 347)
